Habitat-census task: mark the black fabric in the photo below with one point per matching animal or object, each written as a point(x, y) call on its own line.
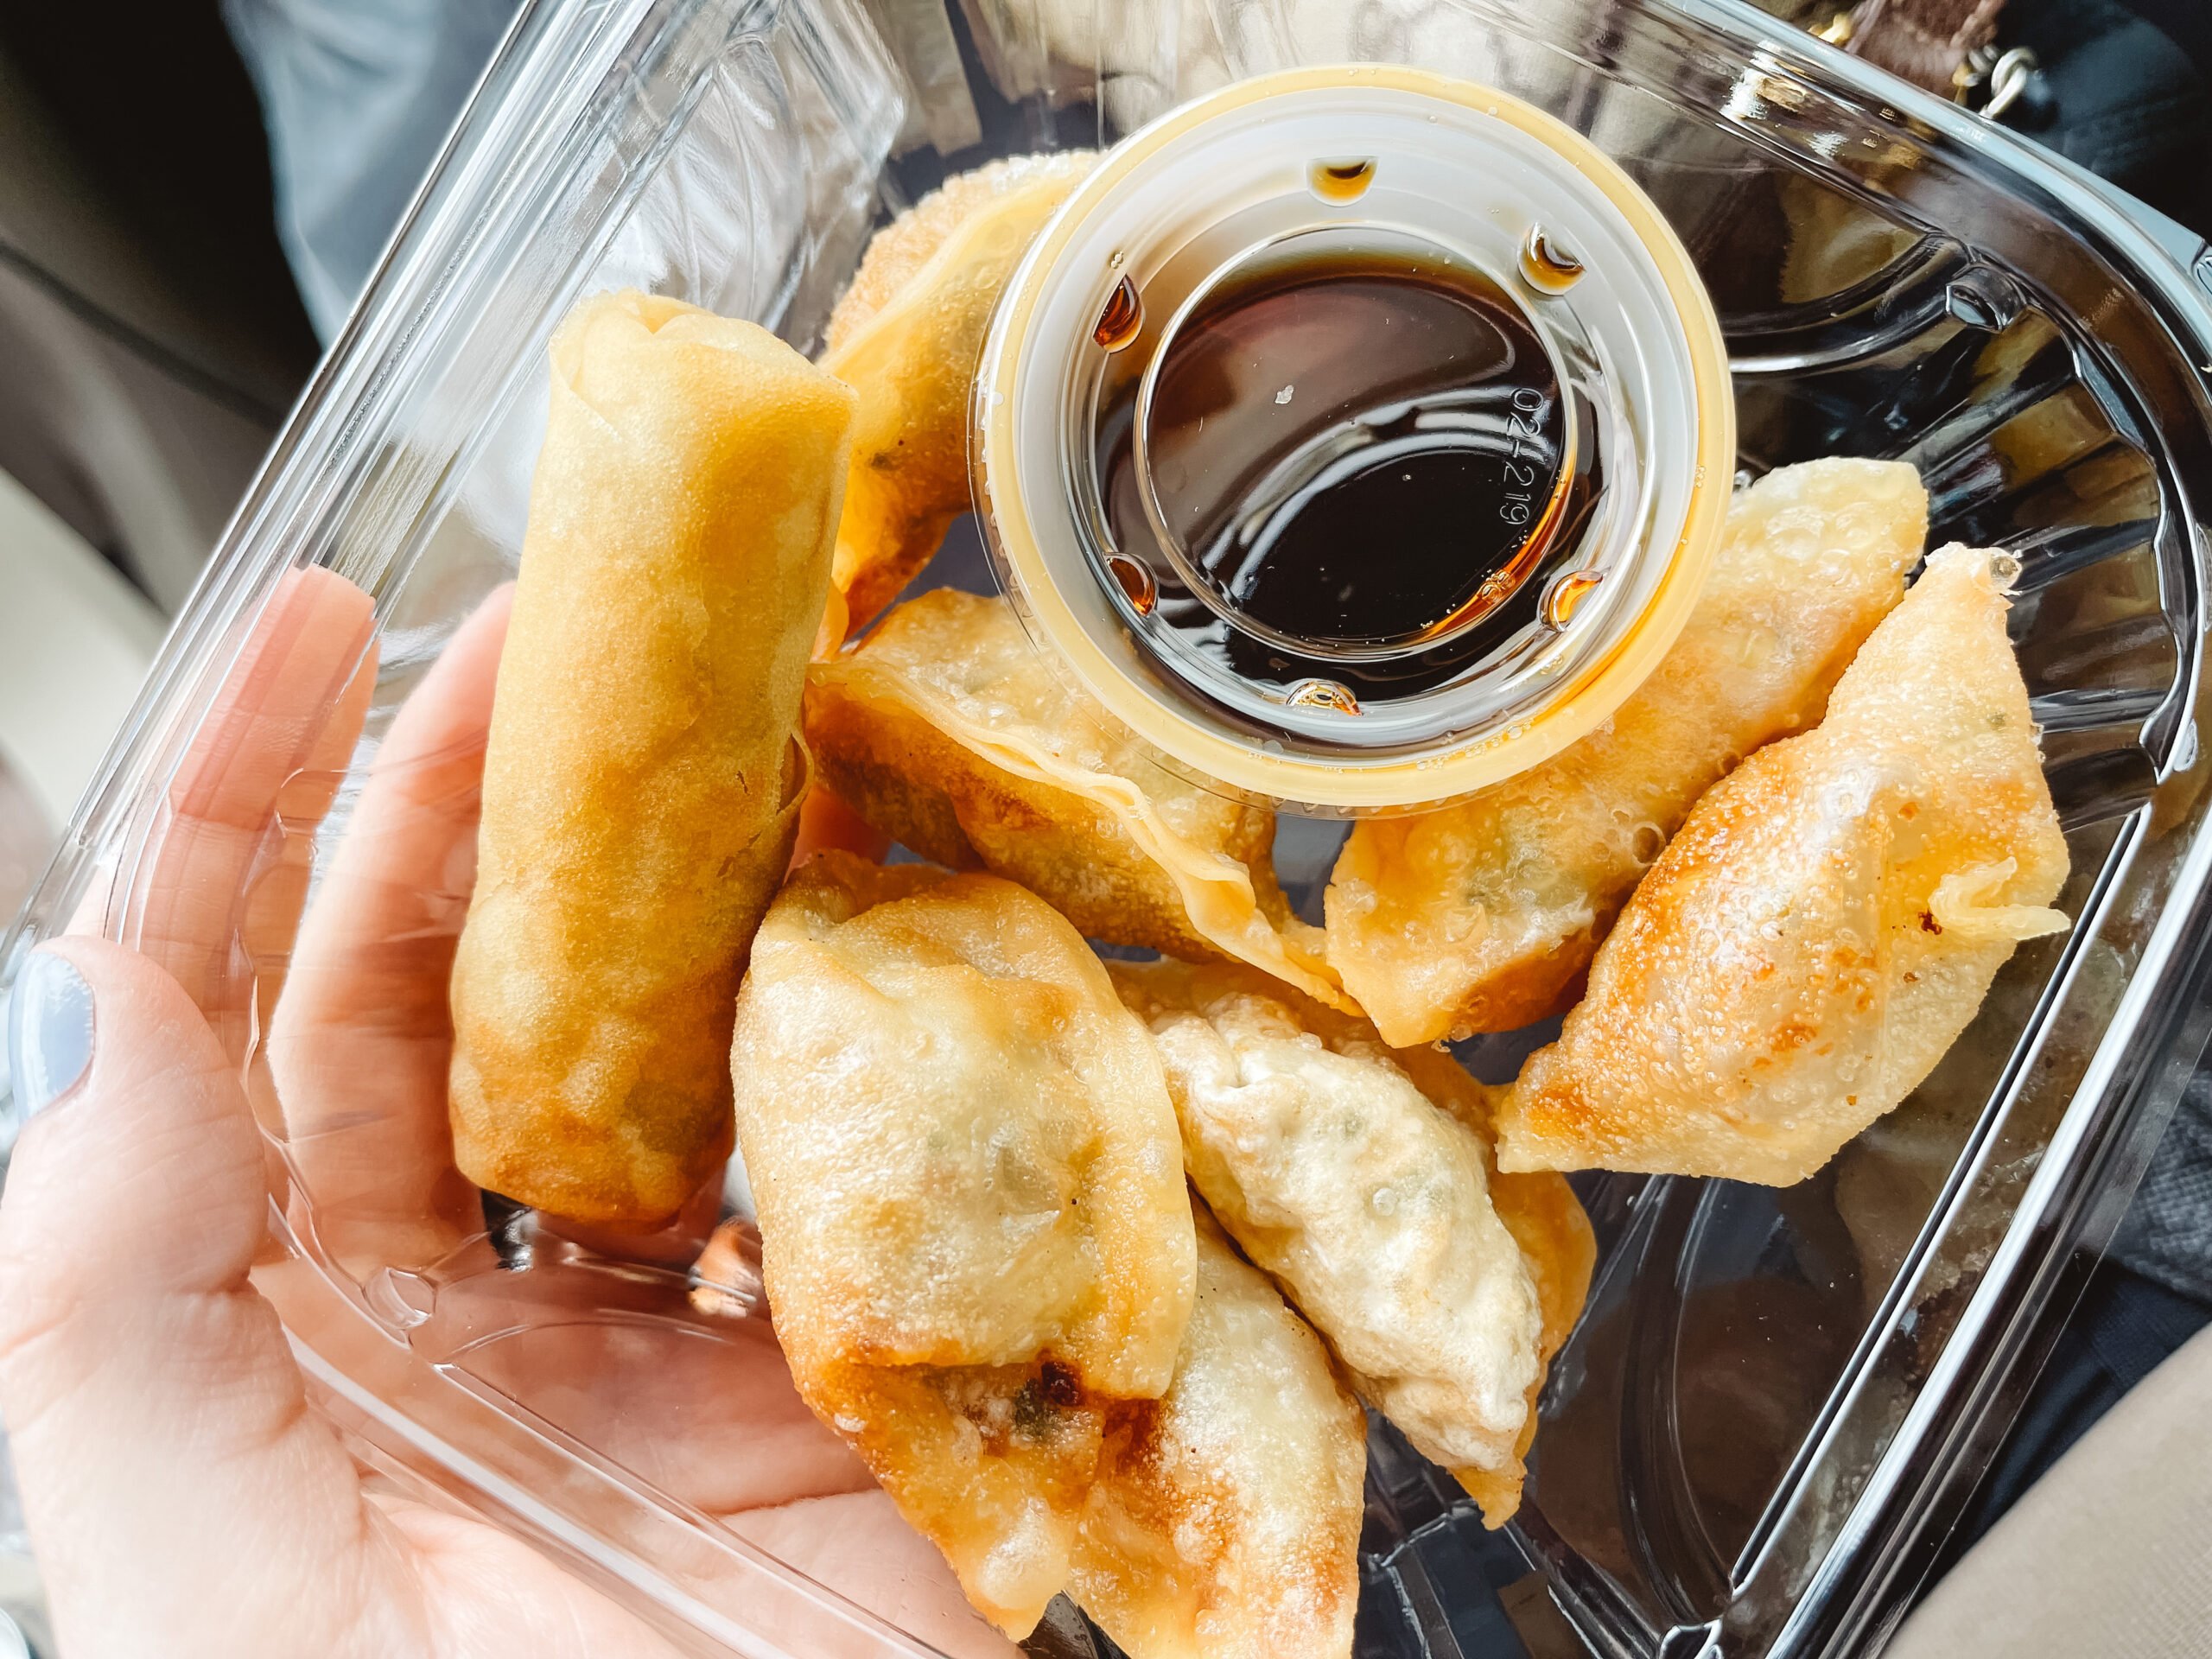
point(2167, 1235)
point(2121, 96)
point(2187, 24)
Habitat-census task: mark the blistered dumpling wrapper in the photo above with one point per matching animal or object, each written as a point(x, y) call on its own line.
point(1825, 925)
point(1225, 1520)
point(906, 336)
point(1361, 1179)
point(975, 1233)
point(641, 783)
point(947, 731)
point(1483, 916)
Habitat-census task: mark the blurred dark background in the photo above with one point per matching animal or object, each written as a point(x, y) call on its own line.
point(151, 332)
point(152, 335)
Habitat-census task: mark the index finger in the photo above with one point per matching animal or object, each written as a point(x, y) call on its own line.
point(279, 733)
point(361, 1036)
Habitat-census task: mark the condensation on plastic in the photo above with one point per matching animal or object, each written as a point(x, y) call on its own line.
point(1778, 1399)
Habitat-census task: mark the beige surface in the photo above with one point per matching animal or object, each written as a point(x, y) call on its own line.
point(75, 639)
point(2110, 1553)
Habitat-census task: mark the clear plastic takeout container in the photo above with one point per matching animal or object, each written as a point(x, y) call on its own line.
point(1777, 1400)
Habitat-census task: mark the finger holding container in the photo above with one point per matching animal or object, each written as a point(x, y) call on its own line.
point(641, 781)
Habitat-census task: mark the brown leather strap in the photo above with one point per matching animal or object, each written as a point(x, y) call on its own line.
point(1924, 41)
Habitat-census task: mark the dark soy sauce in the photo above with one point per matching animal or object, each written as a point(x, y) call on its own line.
point(1356, 442)
point(1341, 181)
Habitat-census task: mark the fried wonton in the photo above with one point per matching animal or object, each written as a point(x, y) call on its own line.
point(1225, 1522)
point(905, 337)
point(1483, 916)
point(975, 1233)
point(641, 784)
point(947, 731)
point(1361, 1179)
point(1825, 925)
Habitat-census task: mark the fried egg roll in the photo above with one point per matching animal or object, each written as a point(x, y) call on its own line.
point(641, 782)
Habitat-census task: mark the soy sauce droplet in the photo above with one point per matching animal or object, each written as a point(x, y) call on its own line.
point(1342, 180)
point(1566, 596)
point(1546, 267)
point(1136, 582)
point(1324, 694)
point(1123, 315)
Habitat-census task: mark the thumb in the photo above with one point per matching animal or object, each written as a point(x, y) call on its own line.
point(181, 1497)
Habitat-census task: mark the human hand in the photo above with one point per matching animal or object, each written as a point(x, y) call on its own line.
point(183, 1497)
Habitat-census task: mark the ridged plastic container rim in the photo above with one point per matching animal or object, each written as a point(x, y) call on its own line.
point(1579, 701)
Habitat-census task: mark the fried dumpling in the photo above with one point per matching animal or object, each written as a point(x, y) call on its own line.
point(905, 337)
point(1225, 1522)
point(1361, 1180)
point(1557, 1244)
point(946, 730)
point(974, 1232)
point(1826, 924)
point(1483, 916)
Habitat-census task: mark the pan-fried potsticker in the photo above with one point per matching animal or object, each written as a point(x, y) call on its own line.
point(905, 337)
point(1826, 924)
point(947, 731)
point(1557, 1246)
point(1482, 915)
point(1362, 1180)
point(982, 1262)
point(974, 1228)
point(1225, 1522)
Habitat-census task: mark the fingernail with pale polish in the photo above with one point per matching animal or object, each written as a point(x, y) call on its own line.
point(49, 1031)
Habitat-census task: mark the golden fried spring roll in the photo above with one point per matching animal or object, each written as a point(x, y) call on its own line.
point(1482, 915)
point(1825, 925)
point(1362, 1180)
point(641, 784)
point(906, 337)
point(947, 731)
